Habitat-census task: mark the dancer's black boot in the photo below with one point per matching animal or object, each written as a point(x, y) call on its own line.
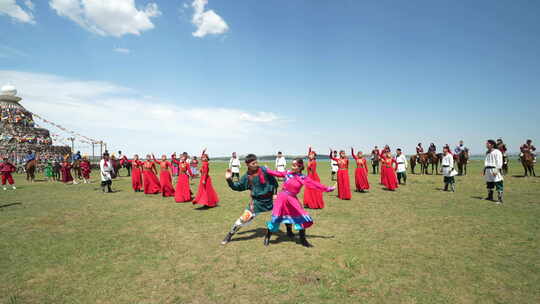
point(445, 186)
point(267, 237)
point(303, 239)
point(290, 233)
point(490, 195)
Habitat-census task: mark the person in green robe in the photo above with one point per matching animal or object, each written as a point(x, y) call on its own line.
point(263, 188)
point(49, 171)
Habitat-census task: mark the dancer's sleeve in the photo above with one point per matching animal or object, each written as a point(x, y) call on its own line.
point(276, 173)
point(352, 153)
point(314, 185)
point(238, 186)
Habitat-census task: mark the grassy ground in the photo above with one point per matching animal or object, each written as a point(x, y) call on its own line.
point(74, 244)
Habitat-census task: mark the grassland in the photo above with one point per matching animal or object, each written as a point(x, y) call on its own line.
point(74, 244)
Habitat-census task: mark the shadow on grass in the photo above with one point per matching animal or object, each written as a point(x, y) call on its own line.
point(281, 236)
point(203, 208)
point(8, 205)
point(479, 197)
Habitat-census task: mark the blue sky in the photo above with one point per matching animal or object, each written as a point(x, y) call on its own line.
point(262, 76)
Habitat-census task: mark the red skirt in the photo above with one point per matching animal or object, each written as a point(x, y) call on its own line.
point(361, 179)
point(344, 186)
point(85, 173)
point(66, 175)
point(313, 199)
point(389, 178)
point(151, 182)
point(136, 179)
point(206, 195)
point(182, 194)
point(165, 180)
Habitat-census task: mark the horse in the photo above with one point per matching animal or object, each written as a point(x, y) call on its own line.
point(423, 159)
point(375, 163)
point(434, 159)
point(30, 169)
point(462, 159)
point(413, 159)
point(527, 160)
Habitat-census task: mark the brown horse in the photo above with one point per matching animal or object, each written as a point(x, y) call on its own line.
point(422, 159)
point(30, 169)
point(434, 159)
point(505, 164)
point(462, 160)
point(527, 160)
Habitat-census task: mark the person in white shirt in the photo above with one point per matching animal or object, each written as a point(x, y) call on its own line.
point(401, 167)
point(281, 163)
point(234, 165)
point(106, 170)
point(492, 171)
point(447, 169)
point(334, 166)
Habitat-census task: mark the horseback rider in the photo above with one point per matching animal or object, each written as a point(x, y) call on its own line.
point(77, 156)
point(528, 147)
point(501, 146)
point(432, 148)
point(419, 150)
point(459, 149)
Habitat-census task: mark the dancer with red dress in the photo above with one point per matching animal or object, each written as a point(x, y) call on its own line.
point(151, 182)
point(6, 168)
point(361, 172)
point(183, 193)
point(388, 172)
point(86, 169)
point(66, 171)
point(344, 185)
point(165, 178)
point(313, 198)
point(136, 173)
point(206, 195)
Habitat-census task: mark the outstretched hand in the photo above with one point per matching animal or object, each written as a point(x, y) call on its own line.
point(228, 174)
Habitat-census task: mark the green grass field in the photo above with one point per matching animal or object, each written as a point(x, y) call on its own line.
point(74, 244)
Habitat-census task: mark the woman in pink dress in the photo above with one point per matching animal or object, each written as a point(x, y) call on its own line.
point(287, 207)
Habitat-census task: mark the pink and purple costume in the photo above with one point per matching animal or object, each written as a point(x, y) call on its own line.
point(287, 207)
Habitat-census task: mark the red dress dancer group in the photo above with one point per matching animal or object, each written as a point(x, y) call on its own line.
point(388, 171)
point(313, 198)
point(206, 194)
point(151, 182)
point(344, 186)
point(165, 178)
point(182, 194)
point(361, 172)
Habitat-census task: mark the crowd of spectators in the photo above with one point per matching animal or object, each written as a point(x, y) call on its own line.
point(16, 116)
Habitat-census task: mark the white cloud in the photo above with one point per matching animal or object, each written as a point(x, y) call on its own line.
point(29, 4)
point(108, 18)
point(132, 122)
point(122, 50)
point(207, 22)
point(10, 8)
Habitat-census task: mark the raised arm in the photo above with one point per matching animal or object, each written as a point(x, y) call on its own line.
point(174, 160)
point(276, 173)
point(353, 155)
point(314, 185)
point(203, 152)
point(238, 186)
